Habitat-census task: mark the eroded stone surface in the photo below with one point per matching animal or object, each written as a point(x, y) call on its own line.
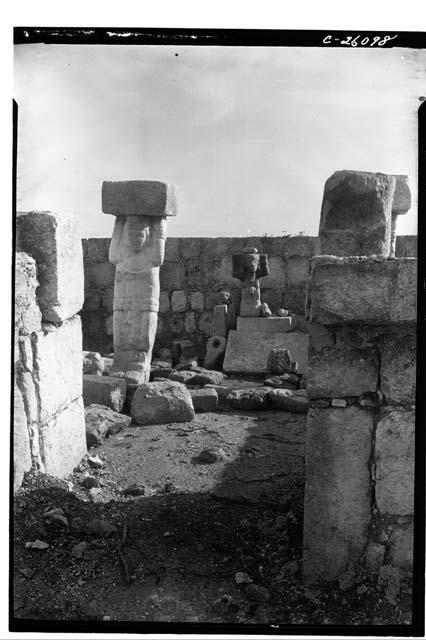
point(27, 311)
point(205, 399)
point(266, 325)
point(101, 422)
point(138, 198)
point(398, 368)
point(161, 402)
point(21, 441)
point(394, 454)
point(53, 240)
point(93, 363)
point(337, 490)
point(356, 214)
point(63, 440)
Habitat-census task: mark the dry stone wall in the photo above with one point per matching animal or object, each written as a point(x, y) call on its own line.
point(195, 270)
point(49, 430)
point(359, 467)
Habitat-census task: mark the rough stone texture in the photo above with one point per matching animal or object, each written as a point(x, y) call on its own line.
point(266, 325)
point(63, 440)
point(207, 376)
point(93, 363)
point(21, 441)
point(57, 362)
point(401, 547)
point(161, 402)
point(363, 290)
point(205, 399)
point(335, 372)
point(337, 490)
point(247, 352)
point(53, 240)
point(182, 376)
point(220, 312)
point(287, 400)
point(394, 455)
point(256, 399)
point(179, 301)
point(356, 214)
point(105, 390)
point(192, 265)
point(138, 198)
point(402, 197)
point(398, 368)
point(27, 311)
point(102, 422)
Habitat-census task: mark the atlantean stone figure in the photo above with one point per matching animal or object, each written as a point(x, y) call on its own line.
point(137, 249)
point(249, 266)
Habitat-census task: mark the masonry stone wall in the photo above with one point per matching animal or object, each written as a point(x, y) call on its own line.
point(49, 429)
point(359, 466)
point(195, 270)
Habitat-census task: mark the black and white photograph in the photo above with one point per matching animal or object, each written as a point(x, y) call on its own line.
point(216, 331)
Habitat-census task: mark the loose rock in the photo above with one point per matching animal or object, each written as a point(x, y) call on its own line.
point(257, 593)
point(162, 402)
point(182, 376)
point(249, 399)
point(242, 578)
point(205, 399)
point(100, 527)
point(101, 422)
point(93, 363)
point(89, 482)
point(95, 462)
point(286, 400)
point(134, 490)
point(209, 456)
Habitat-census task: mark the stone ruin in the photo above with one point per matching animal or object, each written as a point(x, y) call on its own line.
point(351, 366)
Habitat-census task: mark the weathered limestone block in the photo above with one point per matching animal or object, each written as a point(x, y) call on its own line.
point(205, 399)
point(179, 301)
point(93, 363)
point(197, 301)
point(102, 422)
point(363, 290)
point(164, 304)
point(266, 325)
point(63, 440)
point(106, 390)
point(53, 240)
point(190, 322)
point(398, 368)
point(356, 214)
point(287, 400)
point(298, 246)
point(58, 366)
point(161, 402)
point(190, 247)
point(337, 491)
point(256, 399)
point(336, 373)
point(138, 198)
point(247, 352)
point(21, 440)
point(394, 455)
point(27, 311)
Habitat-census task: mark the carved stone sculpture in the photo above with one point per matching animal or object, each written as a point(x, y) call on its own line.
point(137, 249)
point(249, 267)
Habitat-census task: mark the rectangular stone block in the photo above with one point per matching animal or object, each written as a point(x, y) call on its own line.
point(363, 290)
point(53, 240)
point(394, 456)
point(266, 325)
point(297, 271)
point(197, 301)
point(337, 373)
point(63, 440)
point(406, 247)
point(106, 390)
point(247, 352)
point(27, 311)
point(58, 366)
point(220, 313)
point(138, 198)
point(337, 490)
point(398, 368)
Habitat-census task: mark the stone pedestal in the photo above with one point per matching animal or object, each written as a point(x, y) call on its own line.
point(137, 248)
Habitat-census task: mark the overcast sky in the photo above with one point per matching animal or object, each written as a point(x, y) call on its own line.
point(249, 135)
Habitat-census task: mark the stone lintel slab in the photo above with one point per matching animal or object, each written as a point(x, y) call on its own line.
point(363, 290)
point(53, 240)
point(266, 325)
point(247, 351)
point(337, 490)
point(138, 198)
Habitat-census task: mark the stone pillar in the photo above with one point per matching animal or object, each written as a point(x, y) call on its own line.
point(249, 267)
point(137, 247)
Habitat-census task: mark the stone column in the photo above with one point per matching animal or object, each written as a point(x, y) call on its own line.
point(137, 248)
point(249, 267)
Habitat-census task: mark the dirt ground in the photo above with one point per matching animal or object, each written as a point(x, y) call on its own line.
point(197, 522)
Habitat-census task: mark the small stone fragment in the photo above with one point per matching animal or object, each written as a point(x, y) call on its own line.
point(249, 399)
point(206, 376)
point(95, 494)
point(205, 399)
point(100, 527)
point(209, 456)
point(78, 549)
point(265, 310)
point(95, 462)
point(282, 313)
point(286, 400)
point(184, 377)
point(37, 544)
point(90, 482)
point(285, 381)
point(242, 578)
point(101, 422)
point(27, 572)
point(93, 363)
point(134, 489)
